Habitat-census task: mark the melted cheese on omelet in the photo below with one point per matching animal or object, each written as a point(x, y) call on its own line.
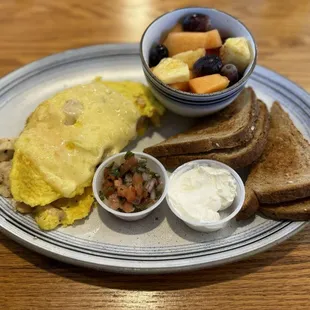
point(65, 138)
point(140, 94)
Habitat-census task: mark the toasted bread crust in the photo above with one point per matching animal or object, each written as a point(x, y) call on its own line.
point(298, 210)
point(238, 157)
point(228, 128)
point(249, 207)
point(283, 171)
point(291, 193)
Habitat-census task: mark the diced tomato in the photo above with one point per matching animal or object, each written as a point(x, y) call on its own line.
point(118, 182)
point(106, 172)
point(109, 192)
point(137, 178)
point(139, 190)
point(107, 183)
point(128, 164)
point(130, 194)
point(125, 189)
point(137, 181)
point(128, 207)
point(110, 177)
point(114, 201)
point(122, 190)
point(107, 188)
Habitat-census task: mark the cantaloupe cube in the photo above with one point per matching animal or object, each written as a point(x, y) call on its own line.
point(176, 28)
point(178, 42)
point(180, 86)
point(208, 84)
point(213, 39)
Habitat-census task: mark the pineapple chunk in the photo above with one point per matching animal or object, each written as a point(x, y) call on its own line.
point(236, 51)
point(190, 57)
point(171, 70)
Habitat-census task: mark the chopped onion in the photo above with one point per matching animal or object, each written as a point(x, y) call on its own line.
point(142, 161)
point(146, 176)
point(153, 194)
point(128, 178)
point(141, 169)
point(160, 187)
point(150, 185)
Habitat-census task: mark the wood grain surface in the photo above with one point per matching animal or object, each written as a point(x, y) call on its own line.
point(276, 279)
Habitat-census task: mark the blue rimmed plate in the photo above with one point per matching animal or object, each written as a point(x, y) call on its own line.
point(160, 242)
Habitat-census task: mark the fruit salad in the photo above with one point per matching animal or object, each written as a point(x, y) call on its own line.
point(131, 186)
point(193, 57)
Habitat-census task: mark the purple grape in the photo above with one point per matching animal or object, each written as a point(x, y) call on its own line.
point(157, 53)
point(231, 72)
point(196, 23)
point(209, 64)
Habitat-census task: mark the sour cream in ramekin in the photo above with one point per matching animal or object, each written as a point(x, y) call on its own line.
point(201, 211)
point(202, 191)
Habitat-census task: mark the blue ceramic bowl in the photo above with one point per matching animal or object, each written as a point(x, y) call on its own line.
point(182, 102)
point(189, 110)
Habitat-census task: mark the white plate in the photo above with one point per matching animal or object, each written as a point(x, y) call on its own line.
point(161, 242)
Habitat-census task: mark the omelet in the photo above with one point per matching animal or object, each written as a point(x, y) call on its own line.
point(61, 212)
point(55, 156)
point(68, 135)
point(64, 211)
point(28, 184)
point(142, 96)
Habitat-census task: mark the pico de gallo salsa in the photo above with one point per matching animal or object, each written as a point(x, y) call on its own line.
point(130, 186)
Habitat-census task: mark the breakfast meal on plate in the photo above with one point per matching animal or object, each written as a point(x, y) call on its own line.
point(235, 136)
point(130, 186)
point(48, 170)
point(163, 156)
point(279, 182)
point(193, 58)
point(202, 192)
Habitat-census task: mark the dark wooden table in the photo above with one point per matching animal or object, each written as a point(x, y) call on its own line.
point(276, 279)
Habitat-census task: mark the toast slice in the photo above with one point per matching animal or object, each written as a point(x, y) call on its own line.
point(250, 205)
point(298, 210)
point(228, 128)
point(283, 172)
point(237, 157)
